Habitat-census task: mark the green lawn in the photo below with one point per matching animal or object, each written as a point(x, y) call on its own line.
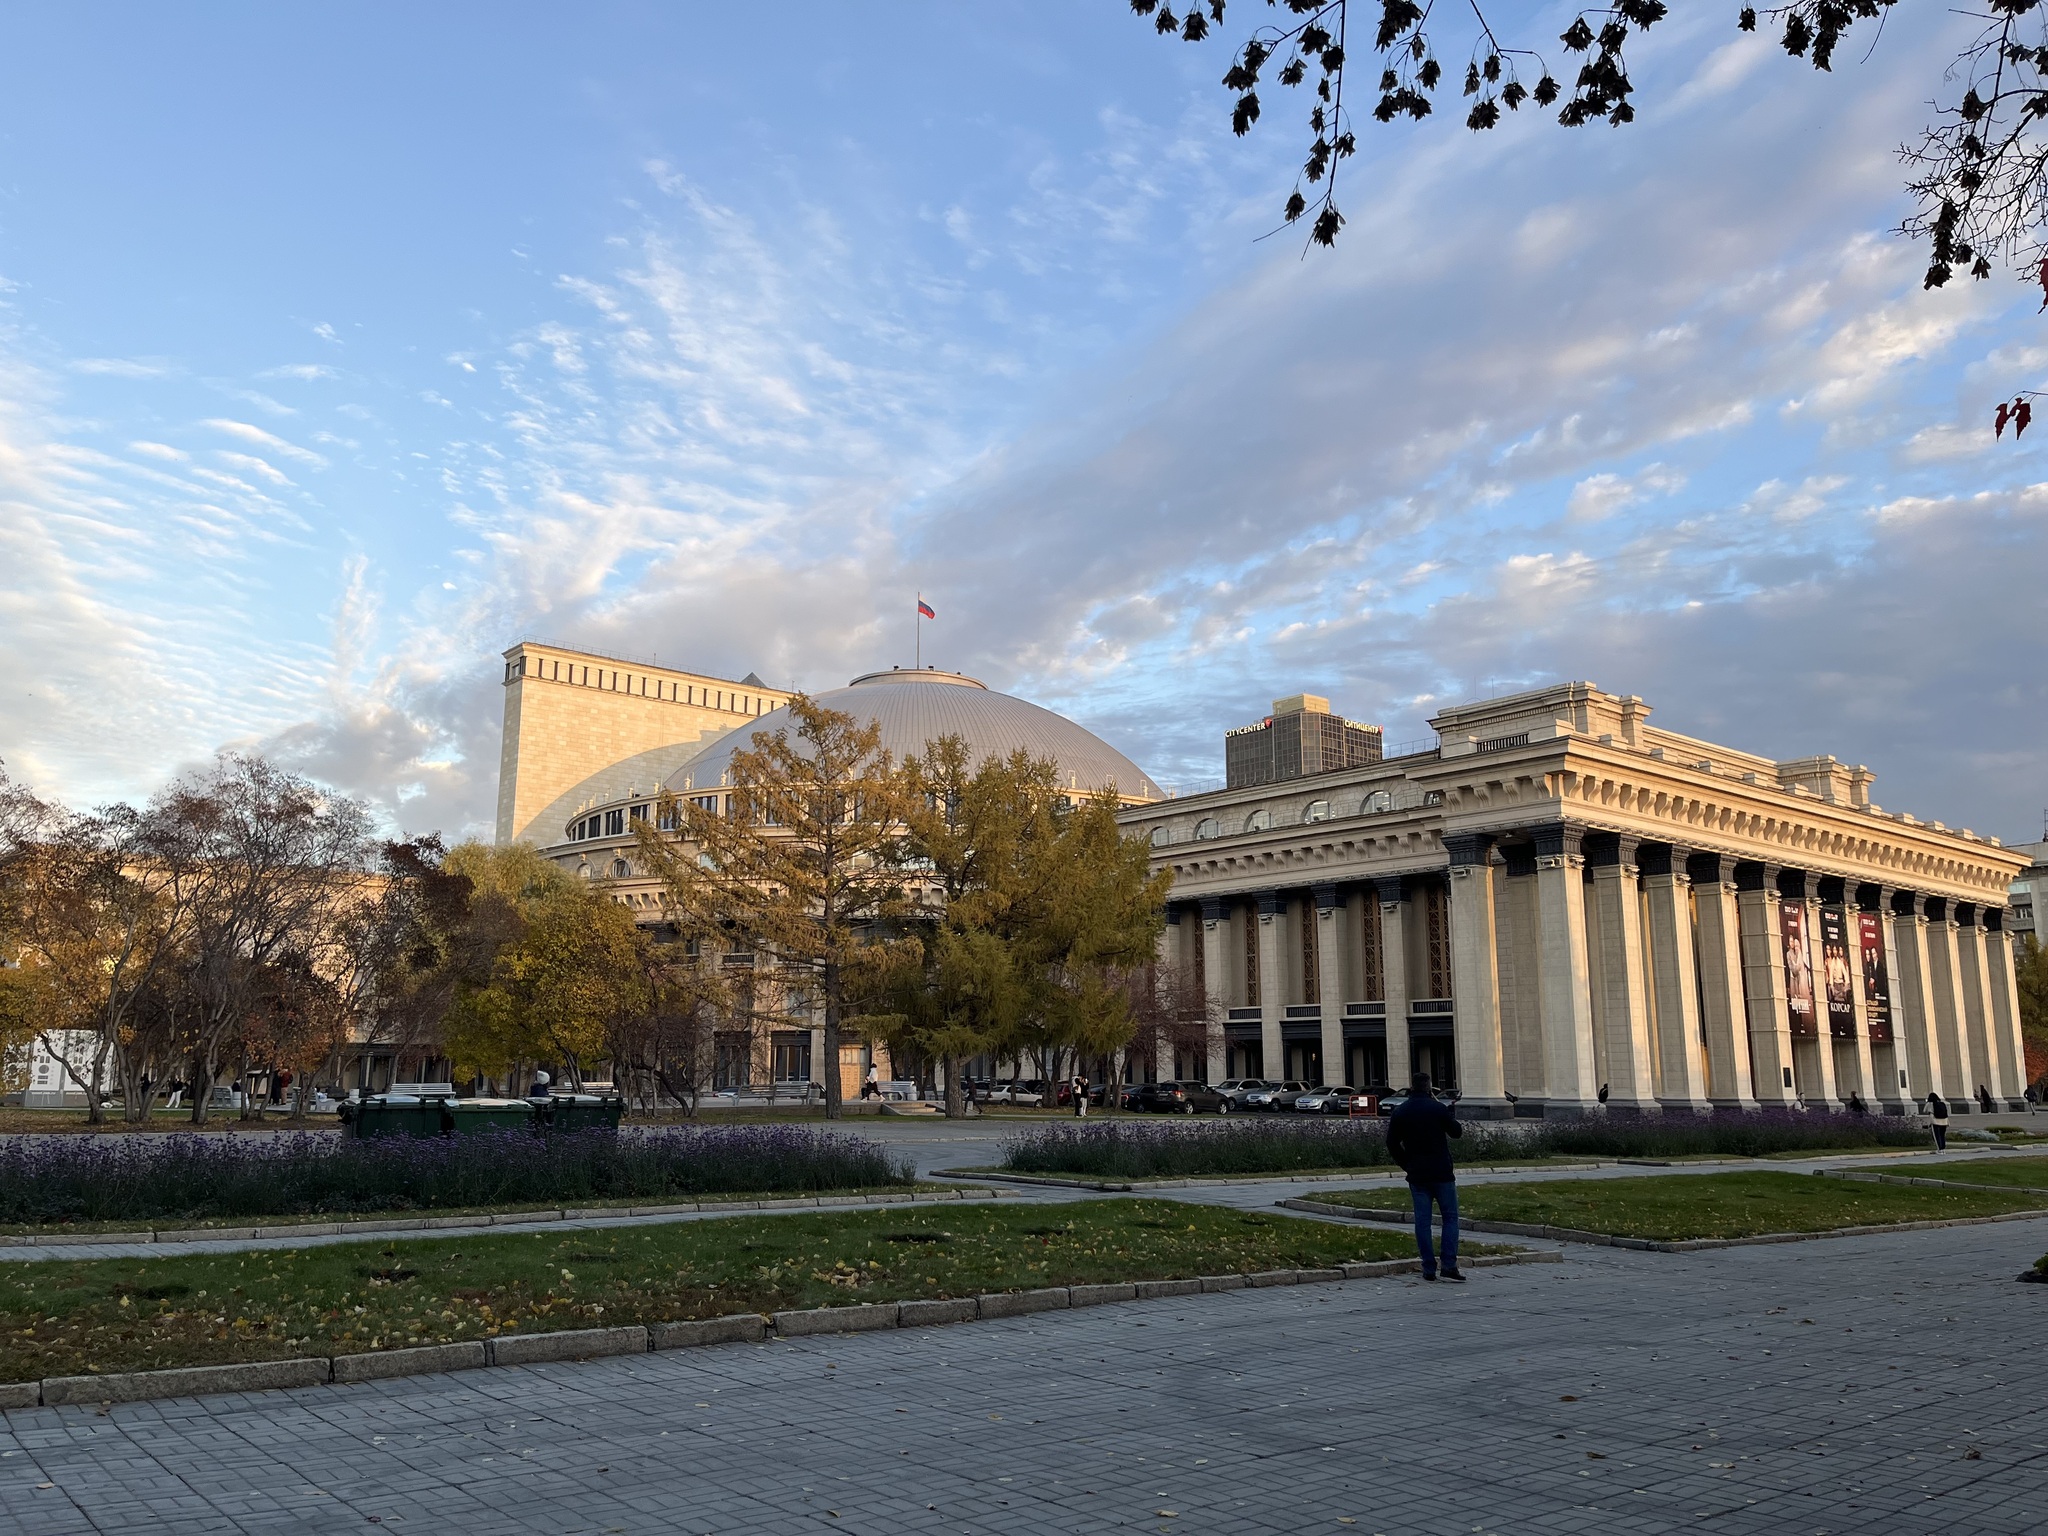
point(1993, 1173)
point(68, 1317)
point(1679, 1207)
point(924, 1187)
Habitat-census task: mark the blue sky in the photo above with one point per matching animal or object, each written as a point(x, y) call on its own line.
point(341, 347)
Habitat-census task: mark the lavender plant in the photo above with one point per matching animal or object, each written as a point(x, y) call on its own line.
point(98, 1179)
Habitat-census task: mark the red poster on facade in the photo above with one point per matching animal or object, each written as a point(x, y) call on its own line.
point(1798, 969)
point(1877, 980)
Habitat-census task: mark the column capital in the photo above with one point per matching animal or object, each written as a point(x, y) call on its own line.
point(1709, 868)
point(1557, 838)
point(1173, 914)
point(1832, 890)
point(1270, 903)
point(1873, 897)
point(1793, 884)
point(1661, 859)
point(1937, 909)
point(1755, 875)
point(1469, 847)
point(1385, 888)
point(1966, 914)
point(1994, 919)
point(1908, 904)
point(1325, 893)
point(1212, 909)
point(1520, 859)
point(1606, 850)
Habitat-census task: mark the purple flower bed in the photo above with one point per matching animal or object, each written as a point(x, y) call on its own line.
point(1756, 1134)
point(151, 1178)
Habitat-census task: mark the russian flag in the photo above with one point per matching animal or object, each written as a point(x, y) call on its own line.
point(925, 609)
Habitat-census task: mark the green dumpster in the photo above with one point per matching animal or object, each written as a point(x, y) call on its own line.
point(581, 1111)
point(466, 1115)
point(393, 1114)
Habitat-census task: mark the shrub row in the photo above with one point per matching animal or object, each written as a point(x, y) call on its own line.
point(196, 1178)
point(1123, 1149)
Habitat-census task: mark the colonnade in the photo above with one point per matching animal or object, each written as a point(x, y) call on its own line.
point(1557, 967)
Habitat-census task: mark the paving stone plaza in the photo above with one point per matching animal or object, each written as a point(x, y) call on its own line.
point(1882, 1383)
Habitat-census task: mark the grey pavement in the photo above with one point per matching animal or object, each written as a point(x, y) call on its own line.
point(1871, 1384)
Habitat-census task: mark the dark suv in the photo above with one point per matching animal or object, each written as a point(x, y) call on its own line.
point(1183, 1098)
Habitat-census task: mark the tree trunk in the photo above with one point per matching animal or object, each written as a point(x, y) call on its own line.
point(956, 1107)
point(833, 1109)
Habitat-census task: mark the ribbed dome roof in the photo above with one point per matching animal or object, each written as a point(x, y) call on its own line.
point(916, 707)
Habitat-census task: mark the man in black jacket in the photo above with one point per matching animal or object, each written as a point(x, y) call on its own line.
point(1419, 1137)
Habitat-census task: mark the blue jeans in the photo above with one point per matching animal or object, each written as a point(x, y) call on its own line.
point(1445, 1195)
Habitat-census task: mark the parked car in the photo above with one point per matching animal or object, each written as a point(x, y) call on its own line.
point(1183, 1098)
point(1133, 1096)
point(1393, 1099)
point(1235, 1088)
point(1317, 1101)
point(1349, 1101)
point(1027, 1091)
point(1271, 1096)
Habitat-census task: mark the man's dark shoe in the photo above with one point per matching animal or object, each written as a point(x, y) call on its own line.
point(1453, 1274)
point(1429, 1274)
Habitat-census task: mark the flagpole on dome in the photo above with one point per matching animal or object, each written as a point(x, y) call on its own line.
point(924, 611)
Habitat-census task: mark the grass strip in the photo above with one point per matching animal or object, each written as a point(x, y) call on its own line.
point(2001, 1173)
point(1685, 1206)
point(73, 1317)
point(402, 1213)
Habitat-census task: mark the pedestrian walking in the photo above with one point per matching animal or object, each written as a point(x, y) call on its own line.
point(1937, 1111)
point(1419, 1138)
point(1984, 1101)
point(872, 1088)
point(1080, 1086)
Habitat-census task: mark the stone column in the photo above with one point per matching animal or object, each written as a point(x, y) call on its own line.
point(1674, 981)
point(1171, 962)
point(1622, 1009)
point(1977, 1003)
point(1859, 1008)
point(1951, 1035)
point(1763, 983)
point(2005, 1008)
point(1524, 927)
point(1386, 890)
point(1475, 971)
point(1913, 1013)
point(1565, 987)
point(1724, 1020)
point(1800, 886)
point(1329, 921)
point(1215, 981)
point(1271, 918)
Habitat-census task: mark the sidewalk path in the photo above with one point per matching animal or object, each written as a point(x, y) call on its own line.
point(1864, 1385)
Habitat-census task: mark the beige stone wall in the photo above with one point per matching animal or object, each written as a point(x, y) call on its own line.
point(581, 728)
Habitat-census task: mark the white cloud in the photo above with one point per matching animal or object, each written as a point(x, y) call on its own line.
point(250, 433)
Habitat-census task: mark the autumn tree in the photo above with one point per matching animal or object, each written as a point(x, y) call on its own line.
point(795, 861)
point(2030, 963)
point(542, 968)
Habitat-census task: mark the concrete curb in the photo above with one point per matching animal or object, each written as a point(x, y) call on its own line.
point(1222, 1180)
point(1651, 1245)
point(384, 1227)
point(1856, 1176)
point(745, 1327)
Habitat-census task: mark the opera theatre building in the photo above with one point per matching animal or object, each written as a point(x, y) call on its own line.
point(1555, 906)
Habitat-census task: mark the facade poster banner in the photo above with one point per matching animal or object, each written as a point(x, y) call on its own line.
point(1877, 981)
point(1836, 981)
point(1798, 969)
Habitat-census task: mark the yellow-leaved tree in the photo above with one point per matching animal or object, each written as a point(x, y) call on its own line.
point(795, 860)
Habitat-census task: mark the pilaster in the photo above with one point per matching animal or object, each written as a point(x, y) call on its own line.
point(1763, 983)
point(1674, 980)
point(1565, 1005)
point(1913, 1009)
point(2005, 1008)
point(1475, 969)
point(1724, 1019)
point(1394, 969)
point(1522, 921)
point(1623, 1012)
point(1215, 983)
point(1977, 1017)
point(1328, 916)
point(1951, 1036)
point(1270, 915)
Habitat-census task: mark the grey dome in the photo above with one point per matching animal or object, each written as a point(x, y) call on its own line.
point(916, 707)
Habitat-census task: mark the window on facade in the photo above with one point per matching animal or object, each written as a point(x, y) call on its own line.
point(614, 823)
point(1258, 821)
point(1311, 959)
point(1379, 800)
point(1206, 827)
point(637, 812)
point(1432, 797)
point(1161, 837)
point(705, 803)
point(1251, 957)
point(621, 869)
point(1436, 919)
point(1318, 810)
